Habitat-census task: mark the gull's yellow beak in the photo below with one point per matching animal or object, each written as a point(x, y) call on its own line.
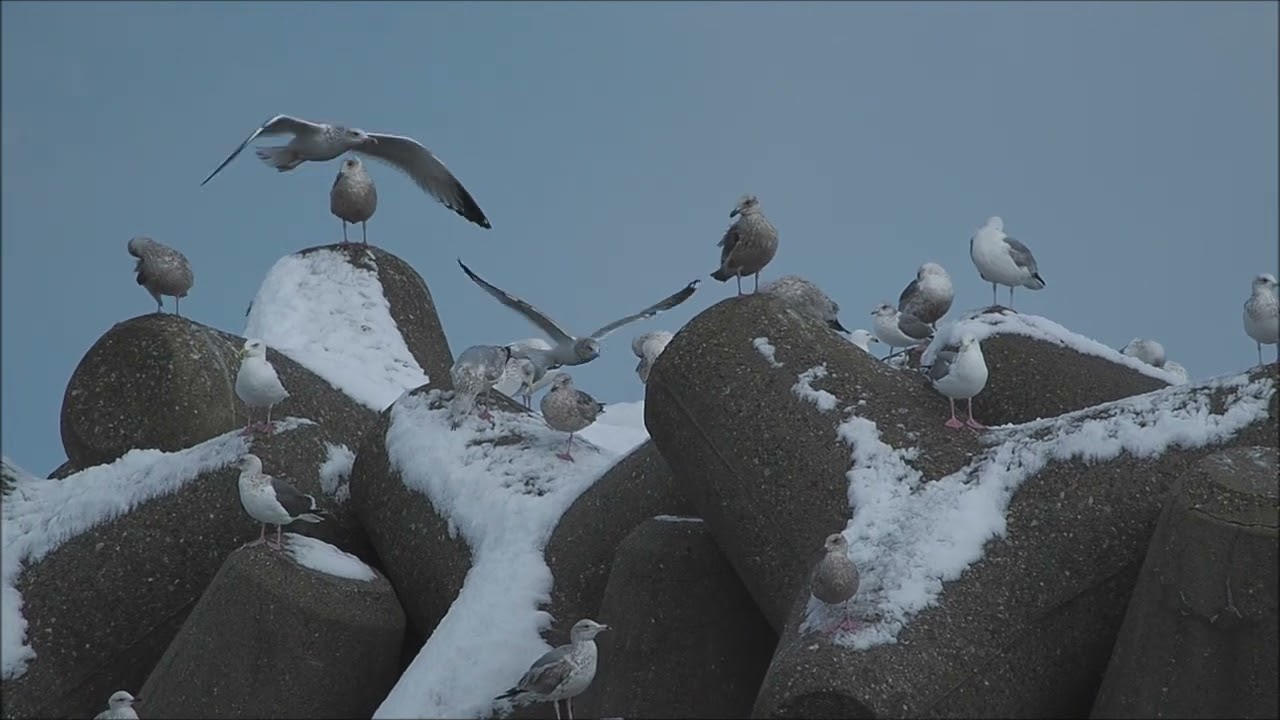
point(240, 354)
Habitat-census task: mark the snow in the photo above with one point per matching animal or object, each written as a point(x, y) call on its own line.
point(504, 499)
point(676, 519)
point(40, 515)
point(335, 471)
point(332, 318)
point(619, 429)
point(323, 557)
point(762, 346)
point(805, 390)
point(909, 535)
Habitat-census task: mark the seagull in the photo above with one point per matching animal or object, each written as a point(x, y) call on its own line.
point(567, 409)
point(960, 375)
point(1148, 351)
point(318, 142)
point(161, 270)
point(648, 346)
point(561, 674)
point(354, 197)
point(1179, 372)
point(522, 376)
point(1262, 314)
point(835, 578)
point(806, 300)
point(257, 383)
point(568, 349)
point(898, 329)
point(476, 371)
point(748, 245)
point(929, 296)
point(1002, 260)
point(272, 500)
point(119, 707)
point(863, 340)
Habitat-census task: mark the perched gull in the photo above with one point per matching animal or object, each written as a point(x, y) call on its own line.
point(1002, 260)
point(321, 141)
point(929, 296)
point(748, 245)
point(567, 409)
point(476, 371)
point(806, 300)
point(835, 578)
point(523, 376)
point(272, 500)
point(257, 384)
point(561, 674)
point(1148, 351)
point(1177, 371)
point(568, 349)
point(1262, 314)
point(161, 270)
point(863, 340)
point(119, 707)
point(898, 329)
point(648, 346)
point(354, 197)
point(960, 375)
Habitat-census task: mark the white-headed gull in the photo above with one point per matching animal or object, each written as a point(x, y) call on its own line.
point(561, 674)
point(898, 329)
point(257, 384)
point(119, 707)
point(929, 296)
point(1001, 260)
point(1262, 314)
point(960, 375)
point(271, 500)
point(648, 346)
point(1147, 350)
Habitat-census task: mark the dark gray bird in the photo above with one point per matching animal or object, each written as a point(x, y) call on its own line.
point(353, 198)
point(748, 245)
point(162, 271)
point(835, 578)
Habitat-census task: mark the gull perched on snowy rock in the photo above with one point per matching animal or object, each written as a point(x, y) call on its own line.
point(562, 674)
point(257, 384)
point(568, 349)
point(898, 329)
point(318, 142)
point(748, 245)
point(1148, 351)
point(648, 346)
point(960, 375)
point(476, 371)
point(161, 270)
point(523, 376)
point(272, 500)
point(1179, 372)
point(929, 296)
point(567, 409)
point(835, 578)
point(119, 707)
point(806, 300)
point(1002, 260)
point(863, 339)
point(1262, 314)
point(353, 198)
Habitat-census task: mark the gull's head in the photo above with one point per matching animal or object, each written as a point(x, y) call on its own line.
point(930, 268)
point(994, 223)
point(356, 136)
point(121, 699)
point(249, 463)
point(863, 339)
point(745, 204)
point(833, 322)
point(526, 370)
point(562, 381)
point(884, 310)
point(253, 347)
point(836, 543)
point(587, 349)
point(136, 245)
point(351, 164)
point(586, 629)
point(968, 341)
point(1265, 281)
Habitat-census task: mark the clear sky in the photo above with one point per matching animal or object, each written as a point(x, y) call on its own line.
point(1133, 147)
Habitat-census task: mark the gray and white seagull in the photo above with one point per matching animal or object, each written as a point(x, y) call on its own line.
point(318, 142)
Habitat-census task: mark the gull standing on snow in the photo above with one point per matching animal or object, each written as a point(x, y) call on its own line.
point(119, 707)
point(1178, 372)
point(318, 142)
point(1002, 260)
point(568, 349)
point(562, 674)
point(929, 296)
point(1262, 314)
point(648, 346)
point(476, 371)
point(272, 500)
point(523, 376)
point(567, 409)
point(960, 375)
point(257, 384)
point(161, 270)
point(835, 579)
point(863, 339)
point(1148, 351)
point(353, 198)
point(806, 300)
point(898, 329)
point(748, 245)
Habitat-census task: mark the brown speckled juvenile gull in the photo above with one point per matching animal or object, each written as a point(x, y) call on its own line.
point(476, 371)
point(567, 409)
point(748, 245)
point(835, 578)
point(929, 296)
point(806, 300)
point(648, 346)
point(161, 270)
point(561, 674)
point(353, 198)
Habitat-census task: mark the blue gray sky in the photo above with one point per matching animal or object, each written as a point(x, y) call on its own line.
point(1132, 146)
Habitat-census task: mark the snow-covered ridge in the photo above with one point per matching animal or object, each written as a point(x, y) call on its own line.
point(333, 318)
point(323, 557)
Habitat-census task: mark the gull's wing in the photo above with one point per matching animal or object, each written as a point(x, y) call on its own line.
point(535, 316)
point(941, 365)
point(908, 294)
point(410, 157)
point(662, 305)
point(547, 672)
point(728, 242)
point(277, 125)
point(912, 327)
point(1021, 255)
point(589, 406)
point(293, 500)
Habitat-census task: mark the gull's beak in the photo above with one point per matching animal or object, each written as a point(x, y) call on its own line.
point(733, 212)
point(875, 339)
point(834, 323)
point(240, 354)
point(136, 700)
point(603, 628)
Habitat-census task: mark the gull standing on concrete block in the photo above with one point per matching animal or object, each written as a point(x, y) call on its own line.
point(835, 579)
point(161, 270)
point(568, 349)
point(648, 346)
point(748, 245)
point(806, 300)
point(119, 707)
point(898, 329)
point(271, 500)
point(929, 296)
point(562, 674)
point(257, 384)
point(1148, 351)
point(1262, 314)
point(353, 198)
point(567, 409)
point(1002, 260)
point(476, 371)
point(960, 375)
point(319, 142)
point(863, 339)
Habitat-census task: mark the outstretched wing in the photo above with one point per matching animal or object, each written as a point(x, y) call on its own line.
point(661, 306)
point(278, 125)
point(533, 314)
point(410, 157)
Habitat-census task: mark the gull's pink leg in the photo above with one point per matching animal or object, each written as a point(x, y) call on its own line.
point(279, 545)
point(262, 538)
point(849, 624)
point(954, 423)
point(565, 455)
point(971, 422)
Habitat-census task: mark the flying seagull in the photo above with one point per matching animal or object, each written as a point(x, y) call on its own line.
point(318, 142)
